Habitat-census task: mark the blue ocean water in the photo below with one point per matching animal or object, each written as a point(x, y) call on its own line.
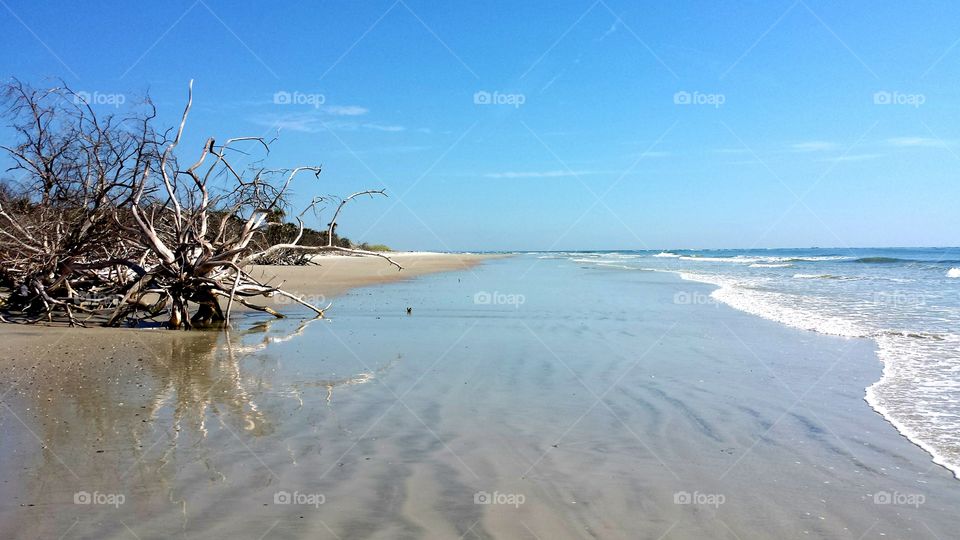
point(906, 299)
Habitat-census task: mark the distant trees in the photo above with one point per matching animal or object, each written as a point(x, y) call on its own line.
point(102, 221)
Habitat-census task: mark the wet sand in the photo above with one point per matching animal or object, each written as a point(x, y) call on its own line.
point(521, 399)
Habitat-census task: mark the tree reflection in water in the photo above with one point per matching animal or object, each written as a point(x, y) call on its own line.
point(145, 420)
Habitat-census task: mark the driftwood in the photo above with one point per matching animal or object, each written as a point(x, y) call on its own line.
point(105, 225)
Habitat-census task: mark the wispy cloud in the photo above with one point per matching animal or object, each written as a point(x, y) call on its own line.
point(318, 122)
point(375, 127)
point(345, 110)
point(385, 149)
point(813, 146)
point(916, 142)
point(655, 153)
point(272, 104)
point(542, 174)
point(290, 122)
point(645, 150)
point(853, 157)
point(730, 151)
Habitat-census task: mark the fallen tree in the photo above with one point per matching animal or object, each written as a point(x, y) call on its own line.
point(105, 224)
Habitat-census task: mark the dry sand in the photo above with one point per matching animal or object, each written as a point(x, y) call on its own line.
point(334, 274)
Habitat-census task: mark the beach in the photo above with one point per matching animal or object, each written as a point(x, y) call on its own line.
point(523, 397)
point(483, 270)
point(331, 275)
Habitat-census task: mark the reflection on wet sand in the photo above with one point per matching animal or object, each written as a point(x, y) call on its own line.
point(138, 422)
point(330, 384)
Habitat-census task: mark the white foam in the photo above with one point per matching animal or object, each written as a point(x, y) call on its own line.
point(750, 259)
point(822, 258)
point(608, 260)
point(667, 254)
point(777, 307)
point(770, 265)
point(953, 273)
point(614, 265)
point(918, 394)
point(738, 259)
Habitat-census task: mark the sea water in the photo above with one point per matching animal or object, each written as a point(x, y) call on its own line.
point(906, 299)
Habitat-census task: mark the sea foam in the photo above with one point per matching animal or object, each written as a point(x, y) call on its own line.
point(777, 307)
point(917, 392)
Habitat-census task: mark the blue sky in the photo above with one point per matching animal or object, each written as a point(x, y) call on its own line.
point(574, 125)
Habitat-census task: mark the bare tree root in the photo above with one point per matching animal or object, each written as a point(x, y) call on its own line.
point(109, 225)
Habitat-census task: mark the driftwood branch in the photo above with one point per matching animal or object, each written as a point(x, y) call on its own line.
point(106, 222)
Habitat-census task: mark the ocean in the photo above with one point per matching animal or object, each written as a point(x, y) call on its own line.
point(905, 299)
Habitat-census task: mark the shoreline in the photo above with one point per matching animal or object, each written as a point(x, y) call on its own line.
point(873, 402)
point(723, 293)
